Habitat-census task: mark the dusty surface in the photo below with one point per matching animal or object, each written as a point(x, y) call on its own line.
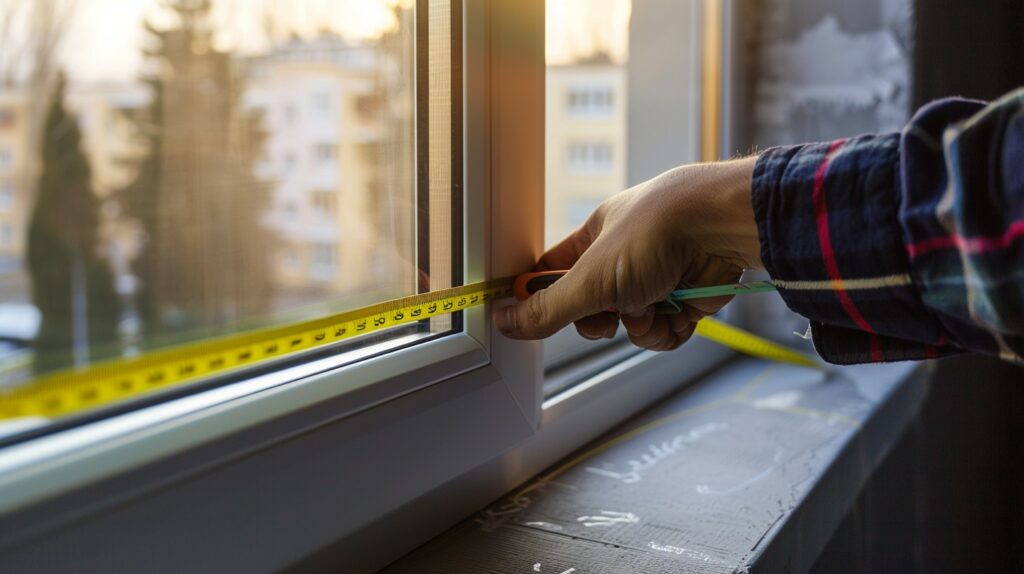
point(704, 483)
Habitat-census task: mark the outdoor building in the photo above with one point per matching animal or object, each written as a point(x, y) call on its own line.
point(316, 98)
point(586, 140)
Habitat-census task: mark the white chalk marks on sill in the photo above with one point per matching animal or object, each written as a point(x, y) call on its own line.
point(544, 525)
point(536, 568)
point(609, 518)
point(656, 453)
point(491, 518)
point(679, 551)
point(776, 463)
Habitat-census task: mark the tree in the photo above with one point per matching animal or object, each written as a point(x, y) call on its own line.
point(72, 285)
point(205, 262)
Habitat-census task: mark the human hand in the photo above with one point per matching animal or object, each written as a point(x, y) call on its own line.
point(692, 226)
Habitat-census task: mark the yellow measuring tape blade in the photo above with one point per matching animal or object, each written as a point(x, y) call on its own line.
point(75, 391)
point(750, 344)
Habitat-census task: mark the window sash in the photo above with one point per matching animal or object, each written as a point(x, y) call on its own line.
point(379, 371)
point(321, 441)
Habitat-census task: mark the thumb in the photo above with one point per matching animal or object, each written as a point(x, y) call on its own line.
point(550, 310)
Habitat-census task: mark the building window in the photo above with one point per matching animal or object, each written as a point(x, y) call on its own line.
point(292, 260)
point(218, 243)
point(6, 197)
point(325, 153)
point(591, 101)
point(323, 261)
point(290, 162)
point(323, 202)
point(322, 103)
point(591, 158)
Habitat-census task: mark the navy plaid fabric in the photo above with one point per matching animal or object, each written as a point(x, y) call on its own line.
point(903, 246)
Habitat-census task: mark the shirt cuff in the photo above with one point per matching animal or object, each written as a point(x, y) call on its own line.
point(827, 217)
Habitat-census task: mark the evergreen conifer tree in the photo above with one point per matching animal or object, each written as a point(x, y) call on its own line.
point(72, 285)
point(205, 261)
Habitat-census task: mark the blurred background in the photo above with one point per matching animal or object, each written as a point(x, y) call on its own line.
point(176, 169)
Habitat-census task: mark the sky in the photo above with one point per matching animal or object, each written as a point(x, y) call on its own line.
point(104, 37)
point(581, 27)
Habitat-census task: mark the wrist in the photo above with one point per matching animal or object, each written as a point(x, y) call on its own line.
point(739, 239)
point(721, 216)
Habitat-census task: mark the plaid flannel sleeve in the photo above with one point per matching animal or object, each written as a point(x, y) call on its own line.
point(903, 246)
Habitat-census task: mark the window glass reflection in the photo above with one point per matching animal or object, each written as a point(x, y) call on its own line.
point(177, 169)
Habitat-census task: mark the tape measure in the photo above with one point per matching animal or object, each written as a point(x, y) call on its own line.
point(76, 391)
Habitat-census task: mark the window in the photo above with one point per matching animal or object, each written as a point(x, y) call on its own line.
point(292, 259)
point(453, 195)
point(593, 158)
point(614, 116)
point(195, 255)
point(323, 202)
point(325, 154)
point(206, 243)
point(588, 101)
point(324, 261)
point(6, 196)
point(322, 103)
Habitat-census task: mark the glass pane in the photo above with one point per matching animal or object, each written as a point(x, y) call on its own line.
point(173, 170)
point(623, 86)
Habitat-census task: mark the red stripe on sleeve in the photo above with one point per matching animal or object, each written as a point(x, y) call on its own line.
point(969, 245)
point(828, 253)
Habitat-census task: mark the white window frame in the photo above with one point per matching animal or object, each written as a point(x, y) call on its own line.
point(504, 375)
point(345, 450)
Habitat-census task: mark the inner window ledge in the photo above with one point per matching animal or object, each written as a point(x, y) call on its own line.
point(753, 468)
point(54, 464)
